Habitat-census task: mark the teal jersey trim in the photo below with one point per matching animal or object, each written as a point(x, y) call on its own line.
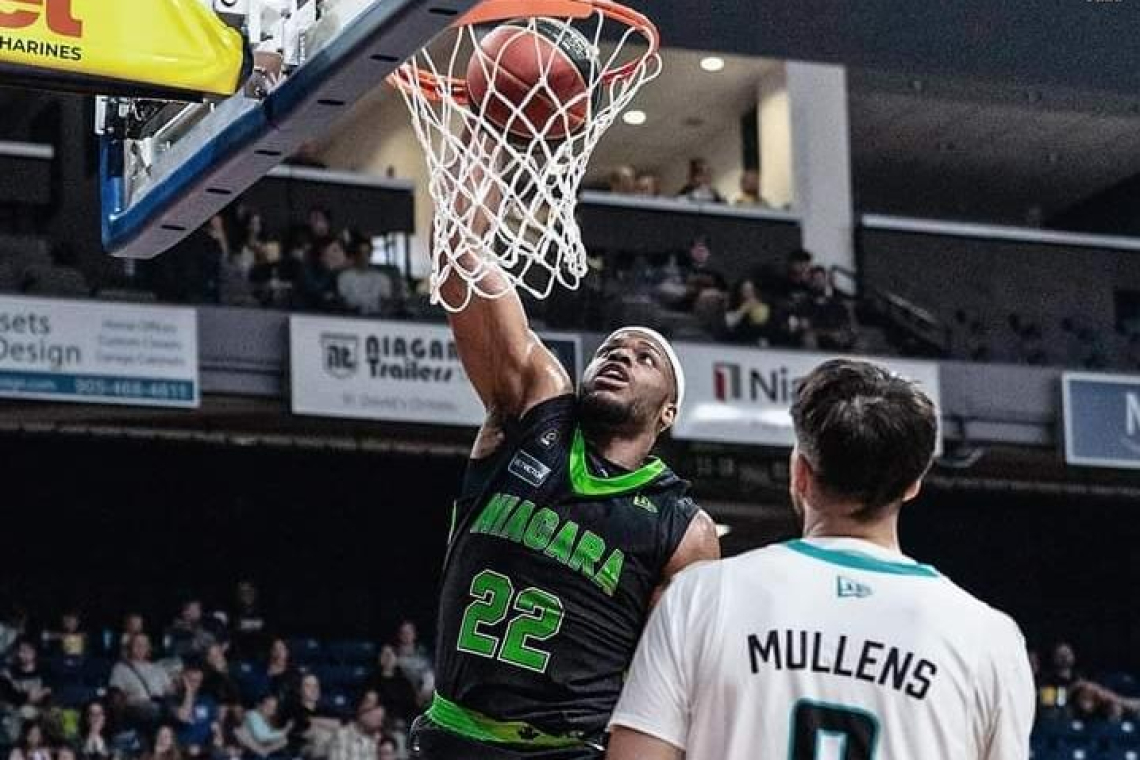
point(586, 483)
point(860, 561)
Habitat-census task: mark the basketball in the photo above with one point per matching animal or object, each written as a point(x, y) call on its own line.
point(533, 81)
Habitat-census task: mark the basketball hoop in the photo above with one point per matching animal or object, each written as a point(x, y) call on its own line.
point(505, 182)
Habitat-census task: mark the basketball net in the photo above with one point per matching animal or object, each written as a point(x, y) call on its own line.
point(505, 204)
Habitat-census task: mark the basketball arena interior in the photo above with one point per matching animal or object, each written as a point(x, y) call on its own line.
point(242, 435)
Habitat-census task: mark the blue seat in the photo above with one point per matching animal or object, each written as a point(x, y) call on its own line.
point(75, 696)
point(97, 671)
point(64, 671)
point(341, 677)
point(305, 650)
point(337, 703)
point(353, 652)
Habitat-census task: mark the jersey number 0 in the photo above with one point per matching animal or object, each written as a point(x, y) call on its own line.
point(822, 731)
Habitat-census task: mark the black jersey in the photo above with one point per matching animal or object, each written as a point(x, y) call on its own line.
point(553, 559)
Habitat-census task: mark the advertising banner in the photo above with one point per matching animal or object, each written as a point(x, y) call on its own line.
point(98, 353)
point(400, 371)
point(1102, 419)
point(744, 395)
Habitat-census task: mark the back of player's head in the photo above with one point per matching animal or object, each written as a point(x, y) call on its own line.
point(867, 434)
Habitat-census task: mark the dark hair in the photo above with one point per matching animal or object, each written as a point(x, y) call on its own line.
point(26, 732)
point(867, 434)
point(800, 255)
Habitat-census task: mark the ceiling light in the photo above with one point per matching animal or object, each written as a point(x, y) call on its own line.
point(712, 63)
point(634, 118)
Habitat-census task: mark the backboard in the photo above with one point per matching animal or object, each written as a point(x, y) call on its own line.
point(182, 163)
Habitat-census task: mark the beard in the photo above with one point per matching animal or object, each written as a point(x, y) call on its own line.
point(603, 412)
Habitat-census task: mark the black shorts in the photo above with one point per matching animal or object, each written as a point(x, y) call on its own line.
point(428, 741)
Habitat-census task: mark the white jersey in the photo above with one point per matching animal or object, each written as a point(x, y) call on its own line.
point(829, 649)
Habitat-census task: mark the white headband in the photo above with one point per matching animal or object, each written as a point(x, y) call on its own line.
point(674, 360)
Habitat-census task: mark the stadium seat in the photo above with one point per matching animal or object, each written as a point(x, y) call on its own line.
point(65, 671)
point(96, 671)
point(352, 652)
point(337, 703)
point(304, 651)
point(75, 696)
point(251, 681)
point(341, 677)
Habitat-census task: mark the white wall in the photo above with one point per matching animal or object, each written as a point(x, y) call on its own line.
point(725, 155)
point(376, 137)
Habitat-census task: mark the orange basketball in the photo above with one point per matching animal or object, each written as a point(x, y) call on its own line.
point(533, 81)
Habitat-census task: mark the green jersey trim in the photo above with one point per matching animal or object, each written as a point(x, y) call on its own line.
point(481, 728)
point(586, 483)
point(860, 561)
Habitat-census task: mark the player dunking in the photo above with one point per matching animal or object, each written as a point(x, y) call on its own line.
point(563, 534)
point(836, 646)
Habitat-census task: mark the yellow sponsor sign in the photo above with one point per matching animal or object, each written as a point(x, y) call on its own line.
point(177, 44)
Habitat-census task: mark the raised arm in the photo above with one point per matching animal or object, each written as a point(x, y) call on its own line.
point(509, 366)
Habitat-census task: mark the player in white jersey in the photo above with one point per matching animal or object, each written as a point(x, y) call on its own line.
point(836, 646)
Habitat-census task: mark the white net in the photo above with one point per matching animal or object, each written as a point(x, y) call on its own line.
point(505, 171)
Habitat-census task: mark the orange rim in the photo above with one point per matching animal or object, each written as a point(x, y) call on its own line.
point(503, 10)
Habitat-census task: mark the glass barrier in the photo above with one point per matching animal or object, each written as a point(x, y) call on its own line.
point(1012, 295)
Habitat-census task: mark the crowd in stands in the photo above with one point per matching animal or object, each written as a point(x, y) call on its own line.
point(689, 297)
point(317, 266)
point(626, 180)
point(222, 686)
point(1081, 716)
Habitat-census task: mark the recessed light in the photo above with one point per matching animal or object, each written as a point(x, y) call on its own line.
point(634, 118)
point(712, 63)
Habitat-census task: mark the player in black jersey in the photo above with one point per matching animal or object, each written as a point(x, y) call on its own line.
point(564, 533)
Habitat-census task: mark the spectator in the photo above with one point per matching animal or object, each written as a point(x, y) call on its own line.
point(363, 288)
point(318, 286)
point(59, 278)
point(388, 749)
point(69, 640)
point(648, 185)
point(94, 739)
point(832, 327)
point(797, 276)
point(359, 739)
point(189, 638)
point(258, 734)
point(27, 681)
point(396, 692)
point(414, 661)
point(217, 683)
point(313, 729)
point(749, 194)
point(699, 188)
point(125, 737)
point(194, 713)
point(252, 246)
point(12, 628)
point(748, 316)
point(32, 744)
point(319, 223)
point(623, 179)
point(145, 685)
point(248, 625)
point(280, 675)
point(164, 746)
point(133, 624)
